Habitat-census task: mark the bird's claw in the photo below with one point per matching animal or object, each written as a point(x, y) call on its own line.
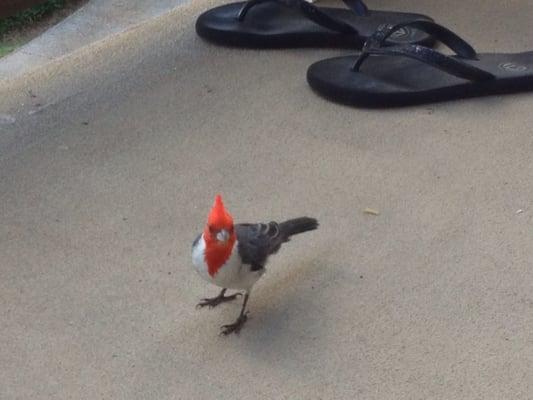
point(235, 327)
point(215, 301)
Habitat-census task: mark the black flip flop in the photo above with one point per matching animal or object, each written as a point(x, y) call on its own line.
point(297, 23)
point(413, 74)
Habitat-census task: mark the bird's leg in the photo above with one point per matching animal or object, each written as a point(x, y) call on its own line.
point(237, 325)
point(215, 301)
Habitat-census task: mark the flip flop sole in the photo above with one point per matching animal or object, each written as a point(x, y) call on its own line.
point(271, 25)
point(391, 81)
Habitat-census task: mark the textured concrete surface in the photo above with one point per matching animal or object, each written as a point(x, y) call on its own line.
point(109, 161)
point(95, 21)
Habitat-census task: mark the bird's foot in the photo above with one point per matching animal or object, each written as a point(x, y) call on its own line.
point(215, 301)
point(235, 327)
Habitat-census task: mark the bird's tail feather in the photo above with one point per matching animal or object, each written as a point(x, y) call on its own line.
point(297, 225)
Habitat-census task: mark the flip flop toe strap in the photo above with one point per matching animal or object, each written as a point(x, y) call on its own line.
point(376, 45)
point(312, 12)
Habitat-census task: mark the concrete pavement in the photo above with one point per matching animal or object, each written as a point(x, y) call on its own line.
point(109, 161)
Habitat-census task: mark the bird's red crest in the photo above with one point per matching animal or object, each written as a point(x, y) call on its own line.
point(217, 253)
point(219, 218)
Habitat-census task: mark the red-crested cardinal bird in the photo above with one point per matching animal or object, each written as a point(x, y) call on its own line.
point(234, 256)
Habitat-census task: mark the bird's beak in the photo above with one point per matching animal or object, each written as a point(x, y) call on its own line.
point(223, 236)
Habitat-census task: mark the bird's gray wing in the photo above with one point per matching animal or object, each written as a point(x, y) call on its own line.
point(257, 241)
point(196, 241)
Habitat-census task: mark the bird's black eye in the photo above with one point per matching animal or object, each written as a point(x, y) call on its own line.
point(230, 230)
point(211, 229)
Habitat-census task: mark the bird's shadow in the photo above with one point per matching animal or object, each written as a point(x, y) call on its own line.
point(290, 327)
point(288, 312)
